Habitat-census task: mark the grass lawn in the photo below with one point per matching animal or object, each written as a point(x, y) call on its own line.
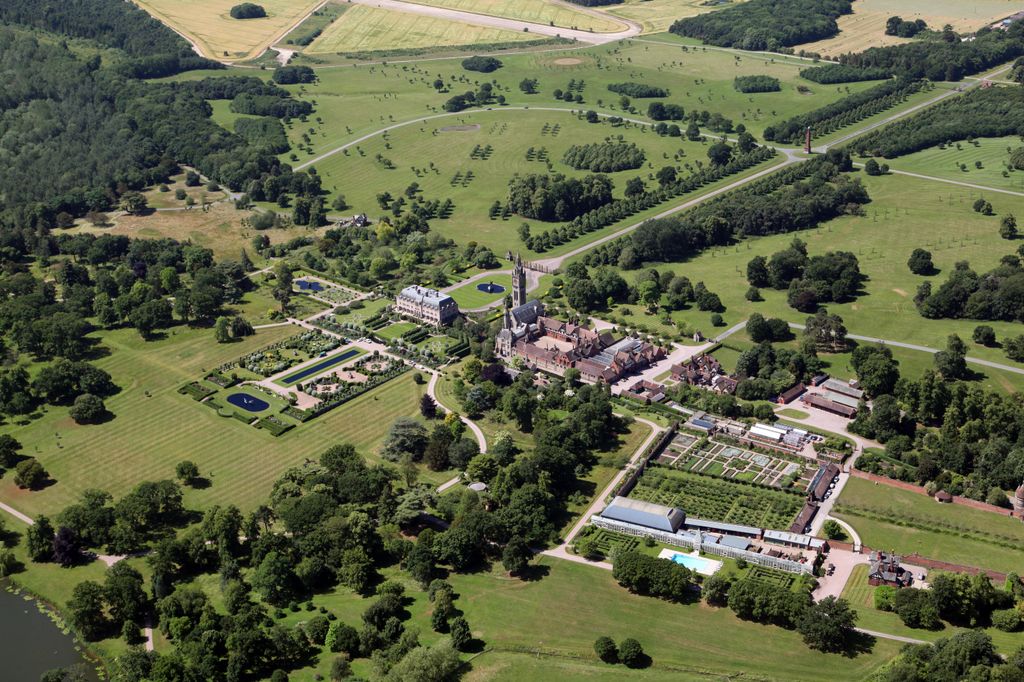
point(992, 153)
point(536, 11)
point(362, 28)
point(158, 199)
point(929, 215)
point(274, 404)
point(144, 440)
point(469, 295)
point(861, 596)
point(795, 414)
point(951, 533)
point(395, 330)
point(209, 23)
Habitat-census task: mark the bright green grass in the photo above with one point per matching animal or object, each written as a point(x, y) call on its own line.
point(146, 438)
point(536, 11)
point(320, 19)
point(795, 414)
point(931, 539)
point(905, 213)
point(945, 163)
point(274, 404)
point(352, 354)
point(861, 596)
point(351, 100)
point(469, 297)
point(395, 330)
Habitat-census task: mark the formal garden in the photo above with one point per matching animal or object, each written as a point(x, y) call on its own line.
point(704, 455)
point(319, 288)
point(341, 386)
point(718, 499)
point(283, 355)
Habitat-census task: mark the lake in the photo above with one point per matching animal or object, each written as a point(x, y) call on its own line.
point(30, 643)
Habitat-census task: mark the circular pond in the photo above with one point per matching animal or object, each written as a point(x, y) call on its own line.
point(247, 402)
point(490, 288)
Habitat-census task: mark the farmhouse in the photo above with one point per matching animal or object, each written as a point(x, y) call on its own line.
point(427, 305)
point(886, 570)
point(823, 402)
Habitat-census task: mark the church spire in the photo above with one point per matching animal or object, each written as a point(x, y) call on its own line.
point(518, 283)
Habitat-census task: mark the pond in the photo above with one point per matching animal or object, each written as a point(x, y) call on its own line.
point(308, 285)
point(30, 643)
point(490, 288)
point(247, 402)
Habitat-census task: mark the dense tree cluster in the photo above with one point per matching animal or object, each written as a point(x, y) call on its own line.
point(152, 49)
point(995, 295)
point(962, 657)
point(793, 199)
point(468, 99)
point(843, 112)
point(604, 157)
point(290, 75)
point(831, 277)
point(556, 197)
point(596, 3)
point(481, 64)
point(269, 105)
point(637, 90)
point(638, 198)
point(645, 574)
point(984, 112)
point(264, 132)
point(766, 371)
point(960, 599)
point(898, 26)
point(248, 10)
point(946, 59)
point(766, 24)
point(843, 73)
point(663, 111)
point(756, 84)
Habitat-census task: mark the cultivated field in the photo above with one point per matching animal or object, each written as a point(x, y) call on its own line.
point(545, 12)
point(144, 440)
point(656, 16)
point(903, 521)
point(717, 499)
point(362, 28)
point(209, 24)
point(866, 26)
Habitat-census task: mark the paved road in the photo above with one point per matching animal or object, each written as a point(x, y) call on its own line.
point(923, 349)
point(481, 440)
point(561, 551)
point(895, 638)
point(953, 182)
point(631, 29)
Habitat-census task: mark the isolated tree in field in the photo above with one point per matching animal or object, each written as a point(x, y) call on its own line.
point(827, 625)
point(133, 203)
point(30, 474)
point(1014, 348)
point(951, 362)
point(241, 327)
point(1008, 227)
point(248, 10)
point(635, 187)
point(984, 335)
point(428, 407)
point(283, 284)
point(516, 556)
point(186, 471)
point(221, 330)
point(920, 262)
point(833, 531)
point(9, 447)
point(666, 176)
point(631, 653)
point(719, 153)
point(88, 409)
point(39, 540)
point(871, 167)
point(67, 548)
point(606, 650)
point(460, 633)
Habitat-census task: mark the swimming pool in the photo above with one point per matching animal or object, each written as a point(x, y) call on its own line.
point(692, 562)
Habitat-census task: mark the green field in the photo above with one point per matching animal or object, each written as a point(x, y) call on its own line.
point(952, 533)
point(362, 28)
point(993, 153)
point(145, 439)
point(861, 596)
point(929, 214)
point(469, 297)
